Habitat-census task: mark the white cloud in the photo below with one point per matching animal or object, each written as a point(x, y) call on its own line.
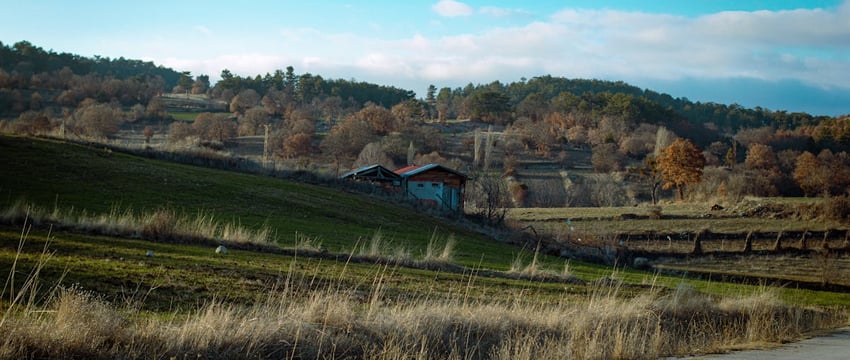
point(809, 46)
point(203, 30)
point(502, 12)
point(451, 8)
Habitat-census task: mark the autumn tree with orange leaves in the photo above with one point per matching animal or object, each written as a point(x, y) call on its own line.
point(681, 164)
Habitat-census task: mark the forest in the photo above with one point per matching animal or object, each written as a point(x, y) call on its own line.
point(329, 125)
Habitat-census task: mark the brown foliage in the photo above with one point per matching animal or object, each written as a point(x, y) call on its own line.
point(760, 157)
point(606, 158)
point(179, 131)
point(97, 120)
point(297, 145)
point(381, 120)
point(681, 164)
point(214, 127)
point(348, 138)
point(252, 122)
point(810, 175)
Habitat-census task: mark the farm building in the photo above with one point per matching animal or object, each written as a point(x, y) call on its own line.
point(375, 174)
point(432, 184)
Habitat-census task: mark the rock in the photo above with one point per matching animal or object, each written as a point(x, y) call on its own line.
point(221, 250)
point(716, 207)
point(640, 263)
point(149, 253)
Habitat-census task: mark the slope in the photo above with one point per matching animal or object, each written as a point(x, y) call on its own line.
point(50, 173)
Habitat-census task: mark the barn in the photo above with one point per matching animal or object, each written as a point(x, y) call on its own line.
point(375, 174)
point(434, 184)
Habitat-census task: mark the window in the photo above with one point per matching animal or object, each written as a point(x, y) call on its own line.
point(435, 184)
point(420, 185)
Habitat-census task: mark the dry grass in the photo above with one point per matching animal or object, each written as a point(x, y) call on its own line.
point(343, 320)
point(341, 324)
point(160, 225)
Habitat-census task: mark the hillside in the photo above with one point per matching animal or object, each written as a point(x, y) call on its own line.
point(90, 178)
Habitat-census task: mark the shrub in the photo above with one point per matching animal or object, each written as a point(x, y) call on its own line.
point(837, 208)
point(655, 212)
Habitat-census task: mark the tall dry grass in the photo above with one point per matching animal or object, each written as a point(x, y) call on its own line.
point(341, 323)
point(163, 224)
point(343, 320)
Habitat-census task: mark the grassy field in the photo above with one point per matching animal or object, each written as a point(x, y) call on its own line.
point(318, 288)
point(183, 115)
point(95, 180)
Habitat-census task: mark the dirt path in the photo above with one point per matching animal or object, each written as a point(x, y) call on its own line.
point(834, 346)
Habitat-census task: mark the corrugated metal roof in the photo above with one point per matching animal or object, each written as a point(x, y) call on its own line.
point(407, 168)
point(417, 169)
point(367, 168)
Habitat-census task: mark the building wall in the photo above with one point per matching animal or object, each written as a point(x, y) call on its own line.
point(438, 187)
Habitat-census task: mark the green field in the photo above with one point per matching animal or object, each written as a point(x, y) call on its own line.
point(54, 174)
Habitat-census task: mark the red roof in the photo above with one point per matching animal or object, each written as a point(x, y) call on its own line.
point(415, 169)
point(407, 168)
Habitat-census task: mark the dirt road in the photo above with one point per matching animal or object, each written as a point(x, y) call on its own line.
point(835, 346)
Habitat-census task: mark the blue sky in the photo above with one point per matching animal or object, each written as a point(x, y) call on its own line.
point(778, 54)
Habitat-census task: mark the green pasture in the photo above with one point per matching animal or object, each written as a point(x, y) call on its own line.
point(88, 178)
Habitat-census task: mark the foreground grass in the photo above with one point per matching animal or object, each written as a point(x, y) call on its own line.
point(258, 305)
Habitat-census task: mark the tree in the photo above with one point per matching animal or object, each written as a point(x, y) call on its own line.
point(148, 132)
point(681, 164)
point(252, 122)
point(347, 139)
point(651, 174)
point(214, 127)
point(488, 106)
point(201, 84)
point(809, 173)
point(411, 154)
point(605, 158)
point(179, 131)
point(373, 153)
point(297, 145)
point(381, 120)
point(185, 81)
point(431, 100)
point(760, 157)
point(98, 120)
point(155, 109)
point(489, 197)
point(444, 104)
point(245, 100)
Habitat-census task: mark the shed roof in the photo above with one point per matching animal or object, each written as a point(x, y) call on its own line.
point(374, 171)
point(418, 169)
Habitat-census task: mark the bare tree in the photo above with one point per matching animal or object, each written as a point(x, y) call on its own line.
point(489, 198)
point(97, 120)
point(148, 133)
point(411, 154)
point(373, 153)
point(252, 122)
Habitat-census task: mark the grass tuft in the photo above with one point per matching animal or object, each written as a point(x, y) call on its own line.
point(163, 224)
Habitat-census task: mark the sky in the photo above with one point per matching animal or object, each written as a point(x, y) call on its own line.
point(789, 55)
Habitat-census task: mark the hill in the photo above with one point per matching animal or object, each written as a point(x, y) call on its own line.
point(49, 173)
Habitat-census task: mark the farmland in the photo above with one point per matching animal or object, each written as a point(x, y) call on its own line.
point(343, 260)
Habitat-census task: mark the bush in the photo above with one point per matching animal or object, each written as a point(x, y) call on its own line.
point(837, 208)
point(519, 192)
